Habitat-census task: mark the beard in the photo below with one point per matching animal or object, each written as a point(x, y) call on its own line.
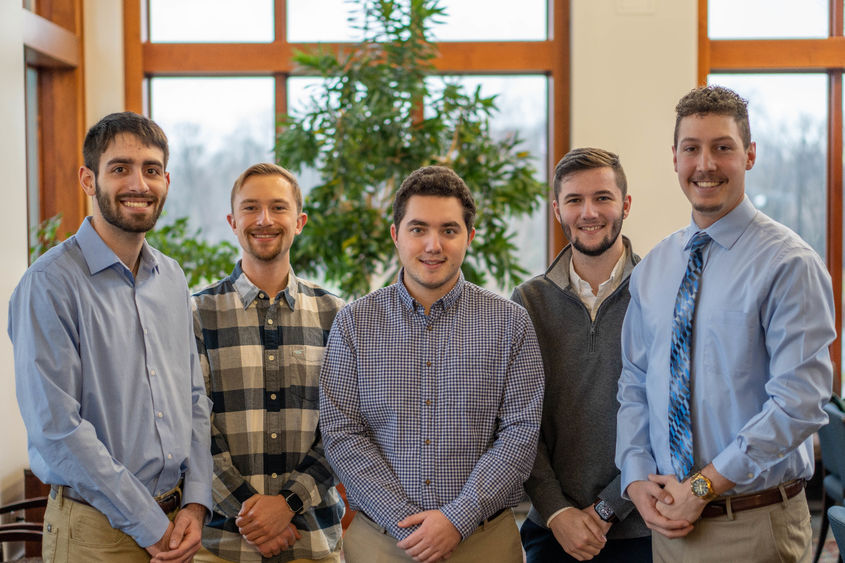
point(111, 211)
point(603, 246)
point(267, 254)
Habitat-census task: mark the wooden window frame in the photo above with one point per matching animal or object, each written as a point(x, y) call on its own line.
point(826, 56)
point(53, 40)
point(144, 59)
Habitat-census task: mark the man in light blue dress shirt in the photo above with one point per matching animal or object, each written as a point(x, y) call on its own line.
point(107, 375)
point(431, 394)
point(760, 367)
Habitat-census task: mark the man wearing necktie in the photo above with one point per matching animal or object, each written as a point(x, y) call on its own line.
point(725, 360)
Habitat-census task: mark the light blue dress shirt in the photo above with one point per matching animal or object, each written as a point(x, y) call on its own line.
point(761, 370)
point(109, 382)
point(439, 411)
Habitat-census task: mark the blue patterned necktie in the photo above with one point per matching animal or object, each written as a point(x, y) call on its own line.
point(680, 428)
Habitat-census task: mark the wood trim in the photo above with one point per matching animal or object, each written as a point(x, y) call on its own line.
point(703, 44)
point(834, 212)
point(281, 106)
point(559, 122)
point(133, 56)
point(778, 55)
point(523, 57)
point(48, 44)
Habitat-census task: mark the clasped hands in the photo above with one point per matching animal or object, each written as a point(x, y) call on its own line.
point(265, 522)
point(434, 540)
point(666, 505)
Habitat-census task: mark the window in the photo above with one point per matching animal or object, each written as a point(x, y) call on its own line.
point(506, 47)
point(788, 59)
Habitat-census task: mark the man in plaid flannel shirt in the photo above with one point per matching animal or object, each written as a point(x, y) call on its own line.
point(261, 333)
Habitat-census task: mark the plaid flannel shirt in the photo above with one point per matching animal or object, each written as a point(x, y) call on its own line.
point(438, 411)
point(261, 360)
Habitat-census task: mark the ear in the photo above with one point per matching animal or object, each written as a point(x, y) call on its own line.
point(556, 209)
point(471, 236)
point(231, 220)
point(300, 222)
point(393, 235)
point(88, 180)
point(675, 158)
point(626, 206)
point(751, 156)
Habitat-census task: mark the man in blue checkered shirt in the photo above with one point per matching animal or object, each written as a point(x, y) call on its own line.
point(431, 393)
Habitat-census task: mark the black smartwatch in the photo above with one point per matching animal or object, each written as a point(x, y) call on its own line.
point(605, 511)
point(293, 500)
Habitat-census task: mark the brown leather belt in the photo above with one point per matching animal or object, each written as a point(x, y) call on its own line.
point(739, 503)
point(168, 502)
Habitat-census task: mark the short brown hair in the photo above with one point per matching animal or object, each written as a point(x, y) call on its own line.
point(102, 133)
point(716, 100)
point(437, 181)
point(267, 169)
point(589, 158)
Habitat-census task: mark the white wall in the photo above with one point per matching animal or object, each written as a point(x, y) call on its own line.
point(103, 51)
point(14, 239)
point(631, 62)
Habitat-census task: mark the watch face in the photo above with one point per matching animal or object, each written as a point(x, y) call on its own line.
point(699, 487)
point(604, 511)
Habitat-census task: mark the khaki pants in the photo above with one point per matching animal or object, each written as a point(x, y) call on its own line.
point(75, 532)
point(495, 541)
point(778, 532)
point(205, 556)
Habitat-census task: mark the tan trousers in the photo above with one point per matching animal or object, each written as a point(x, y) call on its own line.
point(205, 556)
point(496, 541)
point(75, 532)
point(776, 533)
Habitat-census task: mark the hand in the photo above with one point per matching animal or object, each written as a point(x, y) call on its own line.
point(578, 533)
point(280, 543)
point(685, 505)
point(263, 518)
point(161, 545)
point(435, 539)
point(185, 537)
point(646, 495)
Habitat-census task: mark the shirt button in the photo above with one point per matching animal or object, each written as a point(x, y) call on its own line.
point(428, 402)
point(427, 441)
point(273, 475)
point(271, 357)
point(145, 331)
point(269, 321)
point(428, 481)
point(274, 435)
point(430, 327)
point(272, 396)
point(750, 475)
point(261, 295)
point(152, 372)
point(169, 456)
point(428, 364)
point(160, 414)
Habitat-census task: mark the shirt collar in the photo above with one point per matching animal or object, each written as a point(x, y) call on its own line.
point(98, 256)
point(727, 230)
point(248, 291)
point(446, 301)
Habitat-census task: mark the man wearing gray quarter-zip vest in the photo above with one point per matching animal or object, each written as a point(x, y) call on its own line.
point(577, 308)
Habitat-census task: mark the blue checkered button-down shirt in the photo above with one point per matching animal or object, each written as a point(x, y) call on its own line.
point(438, 411)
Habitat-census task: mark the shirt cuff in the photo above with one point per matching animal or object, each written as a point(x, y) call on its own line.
point(735, 465)
point(636, 468)
point(552, 517)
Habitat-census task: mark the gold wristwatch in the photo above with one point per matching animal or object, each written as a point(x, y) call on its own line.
point(702, 487)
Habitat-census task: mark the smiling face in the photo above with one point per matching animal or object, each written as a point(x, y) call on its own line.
point(711, 162)
point(130, 186)
point(590, 207)
point(432, 241)
point(265, 218)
